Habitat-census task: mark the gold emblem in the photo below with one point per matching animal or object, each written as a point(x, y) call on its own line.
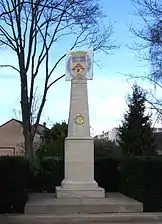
point(79, 119)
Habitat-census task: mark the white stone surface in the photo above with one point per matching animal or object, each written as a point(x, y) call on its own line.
point(112, 203)
point(79, 160)
point(116, 218)
point(84, 193)
point(78, 105)
point(79, 149)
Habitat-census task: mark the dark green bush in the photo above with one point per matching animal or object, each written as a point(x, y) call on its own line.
point(104, 149)
point(107, 174)
point(49, 176)
point(141, 180)
point(137, 177)
point(14, 176)
point(132, 175)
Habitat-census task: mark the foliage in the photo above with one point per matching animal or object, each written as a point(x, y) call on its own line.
point(53, 142)
point(14, 175)
point(135, 133)
point(51, 174)
point(136, 177)
point(105, 149)
point(107, 173)
point(141, 180)
point(48, 176)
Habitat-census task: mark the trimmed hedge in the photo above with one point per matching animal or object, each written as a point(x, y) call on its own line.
point(51, 173)
point(141, 179)
point(107, 174)
point(14, 176)
point(137, 177)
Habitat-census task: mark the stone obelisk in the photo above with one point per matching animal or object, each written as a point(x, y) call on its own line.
point(79, 145)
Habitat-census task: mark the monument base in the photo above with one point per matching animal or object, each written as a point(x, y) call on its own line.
point(79, 170)
point(47, 203)
point(80, 193)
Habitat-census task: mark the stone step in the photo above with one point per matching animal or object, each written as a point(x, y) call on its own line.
point(114, 202)
point(118, 218)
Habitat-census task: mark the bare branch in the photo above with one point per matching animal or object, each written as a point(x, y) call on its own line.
point(150, 96)
point(150, 11)
point(31, 29)
point(55, 81)
point(10, 66)
point(9, 39)
point(131, 76)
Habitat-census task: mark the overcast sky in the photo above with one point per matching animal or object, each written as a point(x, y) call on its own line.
point(107, 91)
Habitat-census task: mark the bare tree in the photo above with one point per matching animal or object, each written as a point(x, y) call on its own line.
point(37, 96)
point(150, 49)
point(31, 28)
point(151, 33)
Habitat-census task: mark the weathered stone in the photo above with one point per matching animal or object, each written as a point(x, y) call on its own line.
point(113, 203)
point(118, 218)
point(79, 149)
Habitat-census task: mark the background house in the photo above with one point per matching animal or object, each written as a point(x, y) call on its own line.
point(12, 139)
point(109, 135)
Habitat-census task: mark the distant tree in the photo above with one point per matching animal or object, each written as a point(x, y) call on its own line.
point(53, 144)
point(135, 133)
point(104, 149)
point(53, 141)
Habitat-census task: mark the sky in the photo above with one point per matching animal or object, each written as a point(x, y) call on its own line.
point(108, 90)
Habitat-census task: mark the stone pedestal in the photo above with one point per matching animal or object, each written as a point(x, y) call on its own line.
point(79, 149)
point(47, 203)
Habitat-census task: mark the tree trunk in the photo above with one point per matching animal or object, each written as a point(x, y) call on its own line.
point(28, 138)
point(29, 153)
point(26, 112)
